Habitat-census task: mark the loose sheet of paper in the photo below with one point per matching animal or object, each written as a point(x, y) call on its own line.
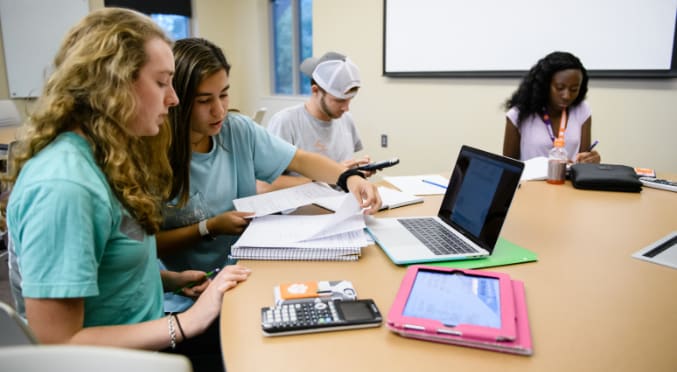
point(427, 184)
point(390, 198)
point(282, 200)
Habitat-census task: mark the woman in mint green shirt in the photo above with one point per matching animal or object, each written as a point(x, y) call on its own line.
point(88, 179)
point(217, 156)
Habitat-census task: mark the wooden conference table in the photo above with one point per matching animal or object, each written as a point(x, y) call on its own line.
point(592, 307)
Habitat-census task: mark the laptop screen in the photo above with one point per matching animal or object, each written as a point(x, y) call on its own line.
point(479, 194)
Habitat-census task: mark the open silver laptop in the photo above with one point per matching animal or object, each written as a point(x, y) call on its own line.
point(474, 207)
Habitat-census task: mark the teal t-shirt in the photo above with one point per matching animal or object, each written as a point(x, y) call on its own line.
point(73, 238)
point(241, 153)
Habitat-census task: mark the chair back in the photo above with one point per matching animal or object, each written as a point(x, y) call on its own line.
point(76, 358)
point(15, 331)
point(259, 114)
point(9, 114)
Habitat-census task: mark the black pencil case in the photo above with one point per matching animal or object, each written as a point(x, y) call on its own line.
point(606, 177)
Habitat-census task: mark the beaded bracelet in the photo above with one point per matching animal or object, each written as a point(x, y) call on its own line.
point(178, 323)
point(343, 178)
point(172, 333)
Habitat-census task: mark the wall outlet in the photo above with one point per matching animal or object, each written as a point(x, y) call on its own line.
point(384, 140)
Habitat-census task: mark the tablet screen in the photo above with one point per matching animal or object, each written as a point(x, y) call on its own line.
point(455, 298)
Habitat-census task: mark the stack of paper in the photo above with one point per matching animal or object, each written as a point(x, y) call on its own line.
point(337, 237)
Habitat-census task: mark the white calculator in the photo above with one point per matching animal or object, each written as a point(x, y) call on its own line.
point(659, 183)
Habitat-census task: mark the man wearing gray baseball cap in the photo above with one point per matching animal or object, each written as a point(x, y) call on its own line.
point(334, 73)
point(323, 124)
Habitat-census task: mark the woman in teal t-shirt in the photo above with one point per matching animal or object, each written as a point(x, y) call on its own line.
point(217, 156)
point(88, 179)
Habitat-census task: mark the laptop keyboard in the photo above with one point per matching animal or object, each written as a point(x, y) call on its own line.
point(436, 237)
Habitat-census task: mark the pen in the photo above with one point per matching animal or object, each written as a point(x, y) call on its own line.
point(593, 145)
point(208, 275)
point(434, 183)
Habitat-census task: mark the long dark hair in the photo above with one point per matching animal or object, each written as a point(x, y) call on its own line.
point(533, 93)
point(196, 59)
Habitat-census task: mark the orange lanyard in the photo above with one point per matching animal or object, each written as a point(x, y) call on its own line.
point(562, 124)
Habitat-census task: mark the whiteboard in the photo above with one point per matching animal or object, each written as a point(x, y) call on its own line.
point(32, 31)
point(504, 37)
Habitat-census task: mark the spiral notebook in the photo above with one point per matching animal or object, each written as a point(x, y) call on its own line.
point(296, 254)
point(338, 236)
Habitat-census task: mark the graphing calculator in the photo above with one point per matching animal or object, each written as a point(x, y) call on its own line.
point(319, 315)
point(659, 183)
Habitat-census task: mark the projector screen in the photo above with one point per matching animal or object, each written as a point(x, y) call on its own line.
point(474, 38)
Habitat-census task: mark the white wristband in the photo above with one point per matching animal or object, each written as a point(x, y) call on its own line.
point(204, 232)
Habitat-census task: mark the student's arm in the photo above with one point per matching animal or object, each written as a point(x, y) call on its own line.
point(282, 182)
point(585, 156)
point(227, 223)
point(59, 321)
point(321, 168)
point(286, 181)
point(511, 140)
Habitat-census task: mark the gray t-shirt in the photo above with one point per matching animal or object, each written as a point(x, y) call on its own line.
point(337, 139)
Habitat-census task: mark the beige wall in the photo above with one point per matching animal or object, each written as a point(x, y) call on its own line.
point(427, 120)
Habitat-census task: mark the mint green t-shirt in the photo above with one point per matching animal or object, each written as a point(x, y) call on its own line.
point(73, 238)
point(241, 153)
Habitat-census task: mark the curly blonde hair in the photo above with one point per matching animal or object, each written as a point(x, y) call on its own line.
point(91, 89)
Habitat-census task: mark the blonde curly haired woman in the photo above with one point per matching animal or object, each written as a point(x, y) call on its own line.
point(88, 179)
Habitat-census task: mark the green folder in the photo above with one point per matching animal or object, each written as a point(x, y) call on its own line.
point(505, 253)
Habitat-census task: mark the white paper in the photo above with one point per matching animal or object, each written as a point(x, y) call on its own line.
point(393, 198)
point(348, 217)
point(285, 199)
point(345, 228)
point(415, 185)
point(535, 169)
point(346, 240)
point(390, 198)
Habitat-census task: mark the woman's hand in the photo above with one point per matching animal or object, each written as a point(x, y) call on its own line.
point(366, 193)
point(354, 163)
point(190, 283)
point(588, 157)
point(229, 223)
point(208, 305)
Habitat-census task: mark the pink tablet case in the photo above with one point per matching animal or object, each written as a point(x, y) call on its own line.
point(506, 332)
point(520, 345)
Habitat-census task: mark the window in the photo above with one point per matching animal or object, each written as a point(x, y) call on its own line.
point(176, 26)
point(173, 16)
point(292, 25)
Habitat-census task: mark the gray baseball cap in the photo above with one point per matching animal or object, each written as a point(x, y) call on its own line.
point(333, 72)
